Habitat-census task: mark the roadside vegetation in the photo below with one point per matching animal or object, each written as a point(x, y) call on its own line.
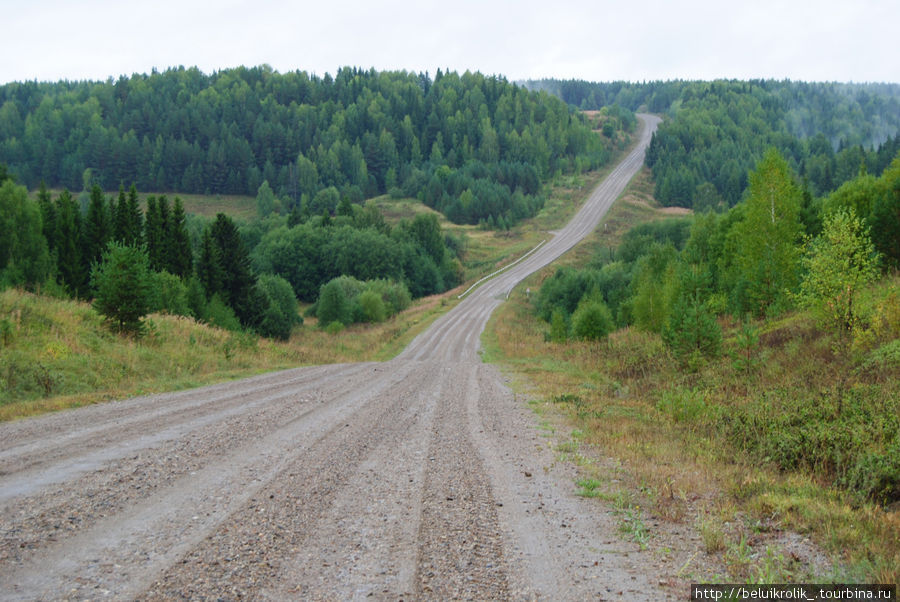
point(739, 418)
point(57, 352)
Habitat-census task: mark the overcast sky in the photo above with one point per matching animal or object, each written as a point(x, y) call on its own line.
point(599, 40)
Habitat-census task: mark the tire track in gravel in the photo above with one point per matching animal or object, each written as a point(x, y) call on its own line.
point(29, 522)
point(252, 551)
point(460, 542)
point(150, 534)
point(370, 548)
point(171, 415)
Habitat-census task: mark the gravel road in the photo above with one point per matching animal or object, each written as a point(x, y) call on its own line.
point(418, 478)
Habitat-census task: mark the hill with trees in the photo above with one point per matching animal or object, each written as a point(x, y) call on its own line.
point(716, 131)
point(471, 146)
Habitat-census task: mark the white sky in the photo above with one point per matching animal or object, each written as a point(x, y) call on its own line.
point(599, 40)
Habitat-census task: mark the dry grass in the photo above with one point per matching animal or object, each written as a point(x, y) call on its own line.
point(679, 470)
point(611, 393)
point(57, 354)
point(207, 205)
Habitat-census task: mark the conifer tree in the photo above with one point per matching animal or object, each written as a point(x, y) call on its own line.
point(154, 233)
point(48, 216)
point(133, 219)
point(237, 279)
point(69, 266)
point(180, 259)
point(209, 266)
point(97, 231)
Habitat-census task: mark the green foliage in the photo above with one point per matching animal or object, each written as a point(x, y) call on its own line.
point(24, 255)
point(745, 358)
point(838, 264)
point(195, 297)
point(850, 437)
point(122, 287)
point(348, 300)
point(308, 256)
point(169, 294)
point(355, 135)
point(333, 305)
point(68, 235)
point(219, 313)
point(559, 328)
point(884, 219)
point(654, 288)
point(237, 279)
point(718, 130)
point(280, 307)
point(371, 306)
point(639, 239)
point(97, 231)
point(692, 331)
point(265, 199)
point(592, 319)
point(564, 290)
point(767, 253)
point(395, 295)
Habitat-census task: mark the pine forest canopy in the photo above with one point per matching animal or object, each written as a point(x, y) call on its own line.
point(361, 133)
point(717, 131)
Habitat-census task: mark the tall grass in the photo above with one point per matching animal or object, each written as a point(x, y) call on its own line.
point(57, 353)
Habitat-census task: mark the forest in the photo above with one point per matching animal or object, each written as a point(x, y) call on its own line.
point(474, 147)
point(134, 261)
point(311, 149)
point(717, 131)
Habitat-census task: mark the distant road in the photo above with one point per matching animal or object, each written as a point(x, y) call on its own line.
point(418, 478)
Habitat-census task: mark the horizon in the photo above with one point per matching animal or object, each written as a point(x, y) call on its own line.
point(606, 41)
point(432, 72)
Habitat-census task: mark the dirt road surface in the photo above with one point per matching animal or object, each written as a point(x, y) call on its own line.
point(418, 478)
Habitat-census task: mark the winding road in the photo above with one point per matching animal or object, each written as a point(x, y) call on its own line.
point(418, 478)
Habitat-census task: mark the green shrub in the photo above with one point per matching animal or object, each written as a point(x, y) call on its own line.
point(877, 474)
point(372, 307)
point(122, 287)
point(591, 320)
point(683, 405)
point(334, 306)
point(221, 315)
point(170, 294)
point(559, 328)
point(850, 439)
point(279, 307)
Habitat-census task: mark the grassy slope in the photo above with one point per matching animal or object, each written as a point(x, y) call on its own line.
point(617, 399)
point(56, 353)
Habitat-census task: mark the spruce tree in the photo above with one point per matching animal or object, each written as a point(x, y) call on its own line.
point(122, 287)
point(209, 266)
point(97, 231)
point(237, 279)
point(48, 216)
point(120, 216)
point(153, 233)
point(180, 255)
point(69, 266)
point(133, 219)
